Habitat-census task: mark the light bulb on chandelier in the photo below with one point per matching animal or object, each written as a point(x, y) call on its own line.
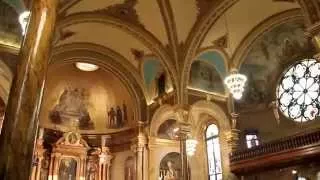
point(191, 146)
point(235, 82)
point(23, 20)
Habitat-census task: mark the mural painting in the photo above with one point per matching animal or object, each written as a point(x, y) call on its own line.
point(117, 117)
point(268, 56)
point(68, 169)
point(166, 129)
point(73, 100)
point(170, 167)
point(130, 169)
point(72, 109)
point(204, 76)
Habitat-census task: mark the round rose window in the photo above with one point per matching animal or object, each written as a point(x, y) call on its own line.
point(298, 93)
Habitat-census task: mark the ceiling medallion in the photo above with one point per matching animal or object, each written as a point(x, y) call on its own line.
point(298, 94)
point(86, 66)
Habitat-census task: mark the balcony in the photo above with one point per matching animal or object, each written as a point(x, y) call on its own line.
point(279, 153)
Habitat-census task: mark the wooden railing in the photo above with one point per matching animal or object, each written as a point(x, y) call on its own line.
point(284, 149)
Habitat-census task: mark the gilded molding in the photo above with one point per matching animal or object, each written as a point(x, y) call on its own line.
point(194, 40)
point(109, 60)
point(171, 29)
point(147, 38)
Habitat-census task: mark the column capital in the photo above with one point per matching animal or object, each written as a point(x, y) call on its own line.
point(232, 137)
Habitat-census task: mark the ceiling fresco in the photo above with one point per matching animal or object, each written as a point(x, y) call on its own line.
point(269, 56)
point(207, 73)
point(73, 100)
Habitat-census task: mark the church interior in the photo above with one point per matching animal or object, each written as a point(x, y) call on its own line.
point(160, 89)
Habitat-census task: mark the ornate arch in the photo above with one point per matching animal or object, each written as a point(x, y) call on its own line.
point(196, 37)
point(243, 49)
point(162, 114)
point(211, 109)
point(138, 32)
point(108, 60)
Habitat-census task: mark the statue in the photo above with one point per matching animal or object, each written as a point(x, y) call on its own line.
point(125, 113)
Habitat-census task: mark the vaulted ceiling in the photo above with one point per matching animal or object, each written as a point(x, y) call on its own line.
point(174, 32)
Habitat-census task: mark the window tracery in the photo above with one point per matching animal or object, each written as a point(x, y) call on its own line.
point(213, 153)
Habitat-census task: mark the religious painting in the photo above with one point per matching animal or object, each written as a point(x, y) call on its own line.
point(268, 56)
point(68, 169)
point(117, 116)
point(72, 110)
point(170, 167)
point(204, 76)
point(167, 129)
point(130, 169)
point(95, 102)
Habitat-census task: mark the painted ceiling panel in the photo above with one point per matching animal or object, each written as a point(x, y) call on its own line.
point(150, 16)
point(239, 20)
point(90, 5)
point(185, 15)
point(110, 37)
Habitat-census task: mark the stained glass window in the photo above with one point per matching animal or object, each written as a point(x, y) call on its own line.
point(213, 153)
point(298, 93)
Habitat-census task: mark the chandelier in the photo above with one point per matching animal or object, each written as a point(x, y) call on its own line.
point(191, 145)
point(298, 93)
point(235, 82)
point(23, 20)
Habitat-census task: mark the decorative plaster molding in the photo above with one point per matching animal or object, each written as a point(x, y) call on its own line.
point(125, 11)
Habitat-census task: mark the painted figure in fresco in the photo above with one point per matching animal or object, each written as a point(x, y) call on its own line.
point(67, 170)
point(119, 117)
point(125, 115)
point(171, 173)
point(112, 118)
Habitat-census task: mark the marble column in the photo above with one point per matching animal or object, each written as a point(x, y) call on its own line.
point(17, 140)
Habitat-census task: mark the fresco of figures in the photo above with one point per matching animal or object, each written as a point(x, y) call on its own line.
point(268, 56)
point(117, 116)
point(72, 109)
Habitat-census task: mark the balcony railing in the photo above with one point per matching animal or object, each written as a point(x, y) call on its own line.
point(284, 149)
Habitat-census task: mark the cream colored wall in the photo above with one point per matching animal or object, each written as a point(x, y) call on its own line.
point(118, 164)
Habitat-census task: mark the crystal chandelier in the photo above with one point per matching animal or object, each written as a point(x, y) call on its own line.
point(235, 82)
point(23, 20)
point(191, 145)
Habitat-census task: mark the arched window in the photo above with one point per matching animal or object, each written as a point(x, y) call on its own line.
point(213, 153)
